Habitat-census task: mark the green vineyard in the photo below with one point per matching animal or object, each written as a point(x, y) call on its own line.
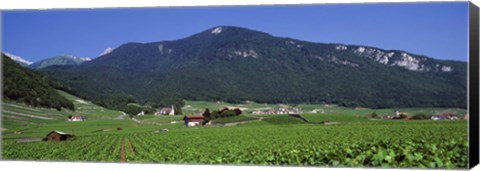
point(420, 144)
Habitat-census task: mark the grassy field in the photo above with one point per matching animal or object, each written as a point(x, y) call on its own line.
point(152, 119)
point(240, 118)
point(17, 116)
point(355, 140)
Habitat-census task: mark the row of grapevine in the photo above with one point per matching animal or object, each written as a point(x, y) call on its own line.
point(428, 145)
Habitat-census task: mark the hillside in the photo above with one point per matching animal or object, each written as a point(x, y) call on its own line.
point(236, 64)
point(18, 116)
point(23, 85)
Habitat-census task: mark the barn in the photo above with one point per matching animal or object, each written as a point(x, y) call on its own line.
point(193, 120)
point(57, 136)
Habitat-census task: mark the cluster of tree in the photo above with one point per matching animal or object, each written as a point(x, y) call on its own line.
point(420, 117)
point(225, 112)
point(23, 85)
point(401, 116)
point(133, 109)
point(136, 109)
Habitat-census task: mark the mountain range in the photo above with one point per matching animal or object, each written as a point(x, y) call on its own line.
point(56, 60)
point(236, 64)
point(59, 60)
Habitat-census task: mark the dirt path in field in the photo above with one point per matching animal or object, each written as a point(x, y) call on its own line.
point(132, 148)
point(122, 152)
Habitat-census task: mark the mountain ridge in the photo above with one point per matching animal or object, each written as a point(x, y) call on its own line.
point(406, 59)
point(59, 60)
point(18, 59)
point(235, 64)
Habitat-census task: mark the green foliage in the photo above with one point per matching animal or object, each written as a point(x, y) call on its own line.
point(233, 119)
point(205, 67)
point(224, 113)
point(23, 85)
point(402, 144)
point(133, 109)
point(149, 110)
point(403, 116)
point(420, 117)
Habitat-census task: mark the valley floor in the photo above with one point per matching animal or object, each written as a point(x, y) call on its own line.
point(355, 141)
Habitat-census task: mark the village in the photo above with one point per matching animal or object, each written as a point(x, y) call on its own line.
point(205, 118)
point(199, 118)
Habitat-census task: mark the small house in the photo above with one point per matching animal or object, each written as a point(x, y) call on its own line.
point(193, 120)
point(166, 111)
point(444, 116)
point(75, 118)
point(397, 113)
point(57, 136)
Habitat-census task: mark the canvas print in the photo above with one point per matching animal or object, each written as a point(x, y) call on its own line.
point(379, 85)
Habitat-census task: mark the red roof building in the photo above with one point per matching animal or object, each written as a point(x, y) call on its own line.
point(193, 120)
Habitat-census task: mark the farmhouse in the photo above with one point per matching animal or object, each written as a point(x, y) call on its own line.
point(193, 120)
point(444, 116)
point(397, 115)
point(166, 111)
point(75, 118)
point(57, 136)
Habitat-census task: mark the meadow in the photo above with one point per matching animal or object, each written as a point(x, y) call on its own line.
point(355, 140)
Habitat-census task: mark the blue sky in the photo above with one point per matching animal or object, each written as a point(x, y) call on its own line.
point(438, 30)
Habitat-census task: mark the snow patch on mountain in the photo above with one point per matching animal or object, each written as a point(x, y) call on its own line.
point(80, 58)
point(86, 59)
point(408, 62)
point(404, 60)
point(446, 69)
point(341, 47)
point(18, 58)
point(383, 59)
point(246, 53)
point(160, 48)
point(106, 51)
point(217, 30)
point(164, 50)
point(361, 49)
